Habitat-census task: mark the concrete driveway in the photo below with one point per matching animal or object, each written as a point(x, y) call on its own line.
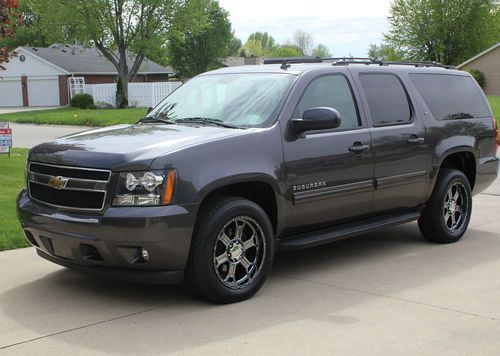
point(384, 293)
point(9, 110)
point(27, 135)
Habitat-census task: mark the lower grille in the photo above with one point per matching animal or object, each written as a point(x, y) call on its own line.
point(68, 187)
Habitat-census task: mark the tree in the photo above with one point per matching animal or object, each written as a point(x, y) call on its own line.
point(35, 30)
point(234, 46)
point(385, 52)
point(321, 51)
point(286, 50)
point(260, 44)
point(304, 41)
point(199, 38)
point(115, 27)
point(8, 22)
point(448, 31)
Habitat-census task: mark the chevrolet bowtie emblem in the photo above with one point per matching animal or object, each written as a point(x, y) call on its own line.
point(58, 182)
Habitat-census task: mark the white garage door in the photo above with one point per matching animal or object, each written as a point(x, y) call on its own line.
point(11, 92)
point(43, 91)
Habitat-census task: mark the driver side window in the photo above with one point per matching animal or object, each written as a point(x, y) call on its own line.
point(331, 91)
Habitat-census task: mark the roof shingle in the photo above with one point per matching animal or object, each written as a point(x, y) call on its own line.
point(82, 60)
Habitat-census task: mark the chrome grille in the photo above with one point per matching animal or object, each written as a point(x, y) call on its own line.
point(68, 187)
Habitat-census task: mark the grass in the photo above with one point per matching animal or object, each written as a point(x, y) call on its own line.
point(78, 117)
point(11, 181)
point(495, 106)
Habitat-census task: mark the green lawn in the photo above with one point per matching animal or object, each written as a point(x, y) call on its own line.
point(495, 106)
point(73, 116)
point(11, 181)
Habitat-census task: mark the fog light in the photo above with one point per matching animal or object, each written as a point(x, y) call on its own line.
point(145, 254)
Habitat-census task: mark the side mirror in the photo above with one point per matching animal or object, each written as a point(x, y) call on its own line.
point(321, 118)
point(149, 110)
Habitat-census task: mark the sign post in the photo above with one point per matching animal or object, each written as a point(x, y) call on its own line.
point(5, 138)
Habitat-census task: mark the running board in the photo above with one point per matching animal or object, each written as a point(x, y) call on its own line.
point(324, 236)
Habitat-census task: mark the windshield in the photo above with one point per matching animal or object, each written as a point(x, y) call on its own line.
point(241, 100)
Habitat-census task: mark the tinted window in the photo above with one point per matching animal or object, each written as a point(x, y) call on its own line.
point(331, 91)
point(387, 99)
point(451, 97)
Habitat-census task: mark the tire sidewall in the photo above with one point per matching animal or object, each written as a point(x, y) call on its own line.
point(451, 177)
point(209, 234)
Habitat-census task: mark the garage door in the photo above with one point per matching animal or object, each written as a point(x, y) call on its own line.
point(43, 91)
point(11, 93)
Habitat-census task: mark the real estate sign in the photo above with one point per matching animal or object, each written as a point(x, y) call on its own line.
point(5, 137)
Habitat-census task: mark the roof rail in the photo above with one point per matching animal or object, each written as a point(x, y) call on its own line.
point(420, 64)
point(287, 61)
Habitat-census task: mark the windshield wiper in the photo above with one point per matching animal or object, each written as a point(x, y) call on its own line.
point(206, 120)
point(157, 119)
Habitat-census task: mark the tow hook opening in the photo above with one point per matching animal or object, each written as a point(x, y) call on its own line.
point(90, 252)
point(30, 238)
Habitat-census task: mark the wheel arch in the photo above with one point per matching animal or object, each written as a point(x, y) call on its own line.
point(460, 158)
point(261, 189)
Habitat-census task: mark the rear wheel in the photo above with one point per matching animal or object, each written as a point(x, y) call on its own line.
point(232, 251)
point(447, 215)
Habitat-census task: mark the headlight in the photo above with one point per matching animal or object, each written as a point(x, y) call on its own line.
point(144, 188)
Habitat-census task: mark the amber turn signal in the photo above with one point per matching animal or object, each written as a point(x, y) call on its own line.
point(169, 187)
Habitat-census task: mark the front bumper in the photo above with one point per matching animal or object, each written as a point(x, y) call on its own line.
point(110, 244)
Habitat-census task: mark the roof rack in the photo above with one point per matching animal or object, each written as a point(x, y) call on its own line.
point(286, 62)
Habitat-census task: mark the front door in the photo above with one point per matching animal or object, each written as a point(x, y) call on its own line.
point(329, 174)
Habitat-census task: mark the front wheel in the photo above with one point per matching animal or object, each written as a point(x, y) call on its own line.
point(232, 250)
point(447, 215)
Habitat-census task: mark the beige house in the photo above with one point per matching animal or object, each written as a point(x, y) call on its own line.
point(487, 62)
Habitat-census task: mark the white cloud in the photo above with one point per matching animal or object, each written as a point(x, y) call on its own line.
point(347, 28)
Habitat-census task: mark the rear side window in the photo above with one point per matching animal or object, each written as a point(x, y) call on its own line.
point(451, 97)
point(331, 91)
point(387, 99)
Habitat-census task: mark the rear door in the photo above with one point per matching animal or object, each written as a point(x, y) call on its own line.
point(400, 151)
point(329, 174)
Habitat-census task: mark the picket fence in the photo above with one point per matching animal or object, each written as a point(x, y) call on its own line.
point(139, 94)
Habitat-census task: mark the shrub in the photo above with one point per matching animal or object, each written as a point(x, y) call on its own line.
point(103, 105)
point(478, 76)
point(82, 101)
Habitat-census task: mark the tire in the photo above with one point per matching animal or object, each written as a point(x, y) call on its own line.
point(447, 215)
point(232, 250)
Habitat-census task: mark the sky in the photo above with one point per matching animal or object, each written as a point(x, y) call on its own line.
point(345, 27)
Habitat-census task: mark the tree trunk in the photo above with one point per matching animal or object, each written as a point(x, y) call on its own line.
point(122, 84)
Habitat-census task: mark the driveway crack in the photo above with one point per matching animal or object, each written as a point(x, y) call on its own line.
point(389, 297)
point(79, 328)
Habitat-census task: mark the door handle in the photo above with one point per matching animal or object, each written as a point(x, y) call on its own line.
point(358, 148)
point(415, 140)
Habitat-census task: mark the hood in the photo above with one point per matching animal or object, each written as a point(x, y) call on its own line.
point(126, 147)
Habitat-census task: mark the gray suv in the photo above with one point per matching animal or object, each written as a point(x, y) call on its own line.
point(241, 162)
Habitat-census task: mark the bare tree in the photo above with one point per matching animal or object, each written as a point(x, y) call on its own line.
point(304, 41)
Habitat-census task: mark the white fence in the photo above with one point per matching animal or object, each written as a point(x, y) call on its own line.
point(139, 94)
